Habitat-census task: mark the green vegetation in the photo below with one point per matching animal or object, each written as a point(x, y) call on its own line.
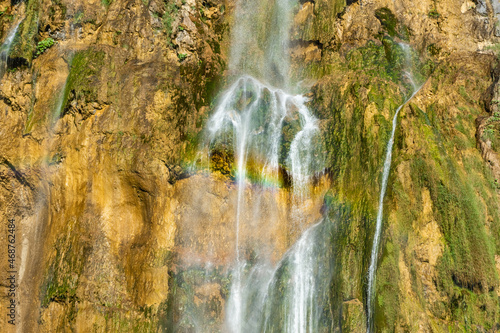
point(43, 45)
point(463, 197)
point(66, 267)
point(387, 19)
point(182, 56)
point(222, 160)
point(85, 67)
point(435, 151)
point(491, 132)
point(78, 18)
point(168, 17)
point(433, 13)
point(433, 49)
point(23, 45)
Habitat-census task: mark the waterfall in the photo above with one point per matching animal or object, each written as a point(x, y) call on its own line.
point(260, 40)
point(302, 287)
point(270, 132)
point(5, 48)
point(298, 291)
point(291, 296)
point(385, 176)
point(251, 116)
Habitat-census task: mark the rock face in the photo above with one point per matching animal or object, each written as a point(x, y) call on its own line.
point(98, 132)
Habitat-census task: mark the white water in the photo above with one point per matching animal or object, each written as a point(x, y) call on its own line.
point(303, 313)
point(257, 129)
point(251, 116)
point(269, 130)
point(5, 48)
point(58, 109)
point(291, 296)
point(260, 40)
point(385, 176)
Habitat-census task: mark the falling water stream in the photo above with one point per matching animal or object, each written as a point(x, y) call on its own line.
point(251, 119)
point(5, 48)
point(251, 116)
point(385, 176)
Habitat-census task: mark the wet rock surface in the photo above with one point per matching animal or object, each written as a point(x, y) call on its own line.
point(98, 131)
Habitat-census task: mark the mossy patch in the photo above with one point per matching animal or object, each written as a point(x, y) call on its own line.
point(387, 19)
point(23, 45)
point(83, 80)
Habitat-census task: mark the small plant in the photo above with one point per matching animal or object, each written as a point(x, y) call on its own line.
point(43, 45)
point(182, 56)
point(181, 28)
point(434, 14)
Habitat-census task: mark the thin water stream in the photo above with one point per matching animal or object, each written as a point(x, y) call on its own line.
point(385, 177)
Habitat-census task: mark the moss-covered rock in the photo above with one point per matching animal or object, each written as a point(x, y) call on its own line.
point(23, 46)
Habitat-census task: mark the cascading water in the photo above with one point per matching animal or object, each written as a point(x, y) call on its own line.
point(253, 114)
point(298, 290)
point(385, 176)
point(35, 226)
point(270, 132)
point(5, 48)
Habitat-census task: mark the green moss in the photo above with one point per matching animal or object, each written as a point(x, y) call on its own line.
point(463, 201)
point(387, 61)
point(106, 3)
point(65, 269)
point(442, 159)
point(433, 49)
point(23, 45)
point(57, 6)
point(222, 160)
point(168, 17)
point(387, 300)
point(387, 19)
point(323, 26)
point(82, 83)
point(78, 18)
